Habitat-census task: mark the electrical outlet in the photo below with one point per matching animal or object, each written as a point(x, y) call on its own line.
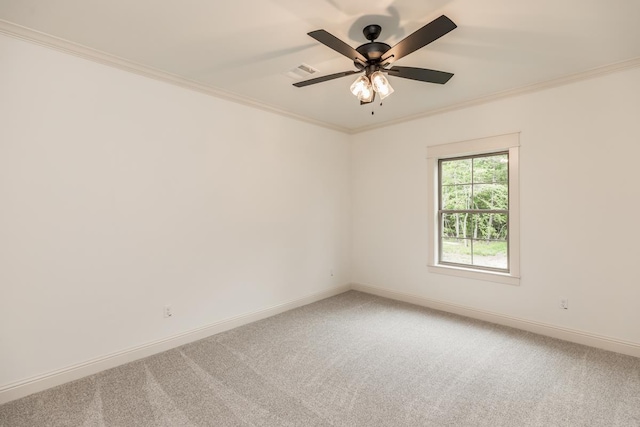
point(564, 303)
point(168, 311)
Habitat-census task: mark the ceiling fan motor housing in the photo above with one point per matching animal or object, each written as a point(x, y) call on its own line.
point(373, 51)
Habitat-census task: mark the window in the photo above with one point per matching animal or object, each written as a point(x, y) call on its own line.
point(473, 209)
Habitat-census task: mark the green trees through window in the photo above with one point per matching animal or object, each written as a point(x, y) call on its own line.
point(473, 211)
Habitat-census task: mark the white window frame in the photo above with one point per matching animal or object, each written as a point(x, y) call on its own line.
point(494, 144)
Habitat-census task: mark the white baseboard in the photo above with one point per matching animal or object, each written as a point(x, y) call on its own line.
point(38, 383)
point(566, 334)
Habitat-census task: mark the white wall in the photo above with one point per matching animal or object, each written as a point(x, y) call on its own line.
point(120, 194)
point(580, 147)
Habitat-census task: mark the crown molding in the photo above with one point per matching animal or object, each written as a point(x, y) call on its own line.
point(62, 45)
point(535, 87)
point(66, 46)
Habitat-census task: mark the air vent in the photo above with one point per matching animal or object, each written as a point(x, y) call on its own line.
point(301, 71)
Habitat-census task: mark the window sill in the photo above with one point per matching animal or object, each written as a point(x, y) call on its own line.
point(475, 274)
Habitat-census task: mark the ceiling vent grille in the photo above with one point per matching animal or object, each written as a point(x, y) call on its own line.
point(301, 71)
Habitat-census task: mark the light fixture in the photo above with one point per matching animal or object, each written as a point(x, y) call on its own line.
point(364, 87)
point(381, 84)
point(360, 86)
point(366, 95)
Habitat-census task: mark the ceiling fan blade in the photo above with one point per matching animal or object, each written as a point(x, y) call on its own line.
point(420, 74)
point(338, 45)
point(325, 78)
point(425, 35)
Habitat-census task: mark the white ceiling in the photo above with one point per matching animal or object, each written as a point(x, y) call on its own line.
point(246, 47)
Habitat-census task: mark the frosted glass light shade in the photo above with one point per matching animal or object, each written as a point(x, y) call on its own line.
point(362, 83)
point(381, 84)
point(366, 95)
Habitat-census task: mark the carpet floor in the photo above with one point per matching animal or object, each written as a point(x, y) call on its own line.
point(353, 360)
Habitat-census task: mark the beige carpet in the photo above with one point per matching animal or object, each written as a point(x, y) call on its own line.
point(353, 360)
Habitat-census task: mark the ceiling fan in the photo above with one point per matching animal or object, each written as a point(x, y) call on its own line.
point(375, 59)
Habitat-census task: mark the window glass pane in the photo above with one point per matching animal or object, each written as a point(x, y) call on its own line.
point(456, 250)
point(469, 186)
point(490, 226)
point(456, 197)
point(491, 196)
point(455, 172)
point(491, 253)
point(491, 169)
point(458, 225)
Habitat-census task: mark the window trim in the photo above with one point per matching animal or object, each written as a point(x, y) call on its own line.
point(508, 142)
